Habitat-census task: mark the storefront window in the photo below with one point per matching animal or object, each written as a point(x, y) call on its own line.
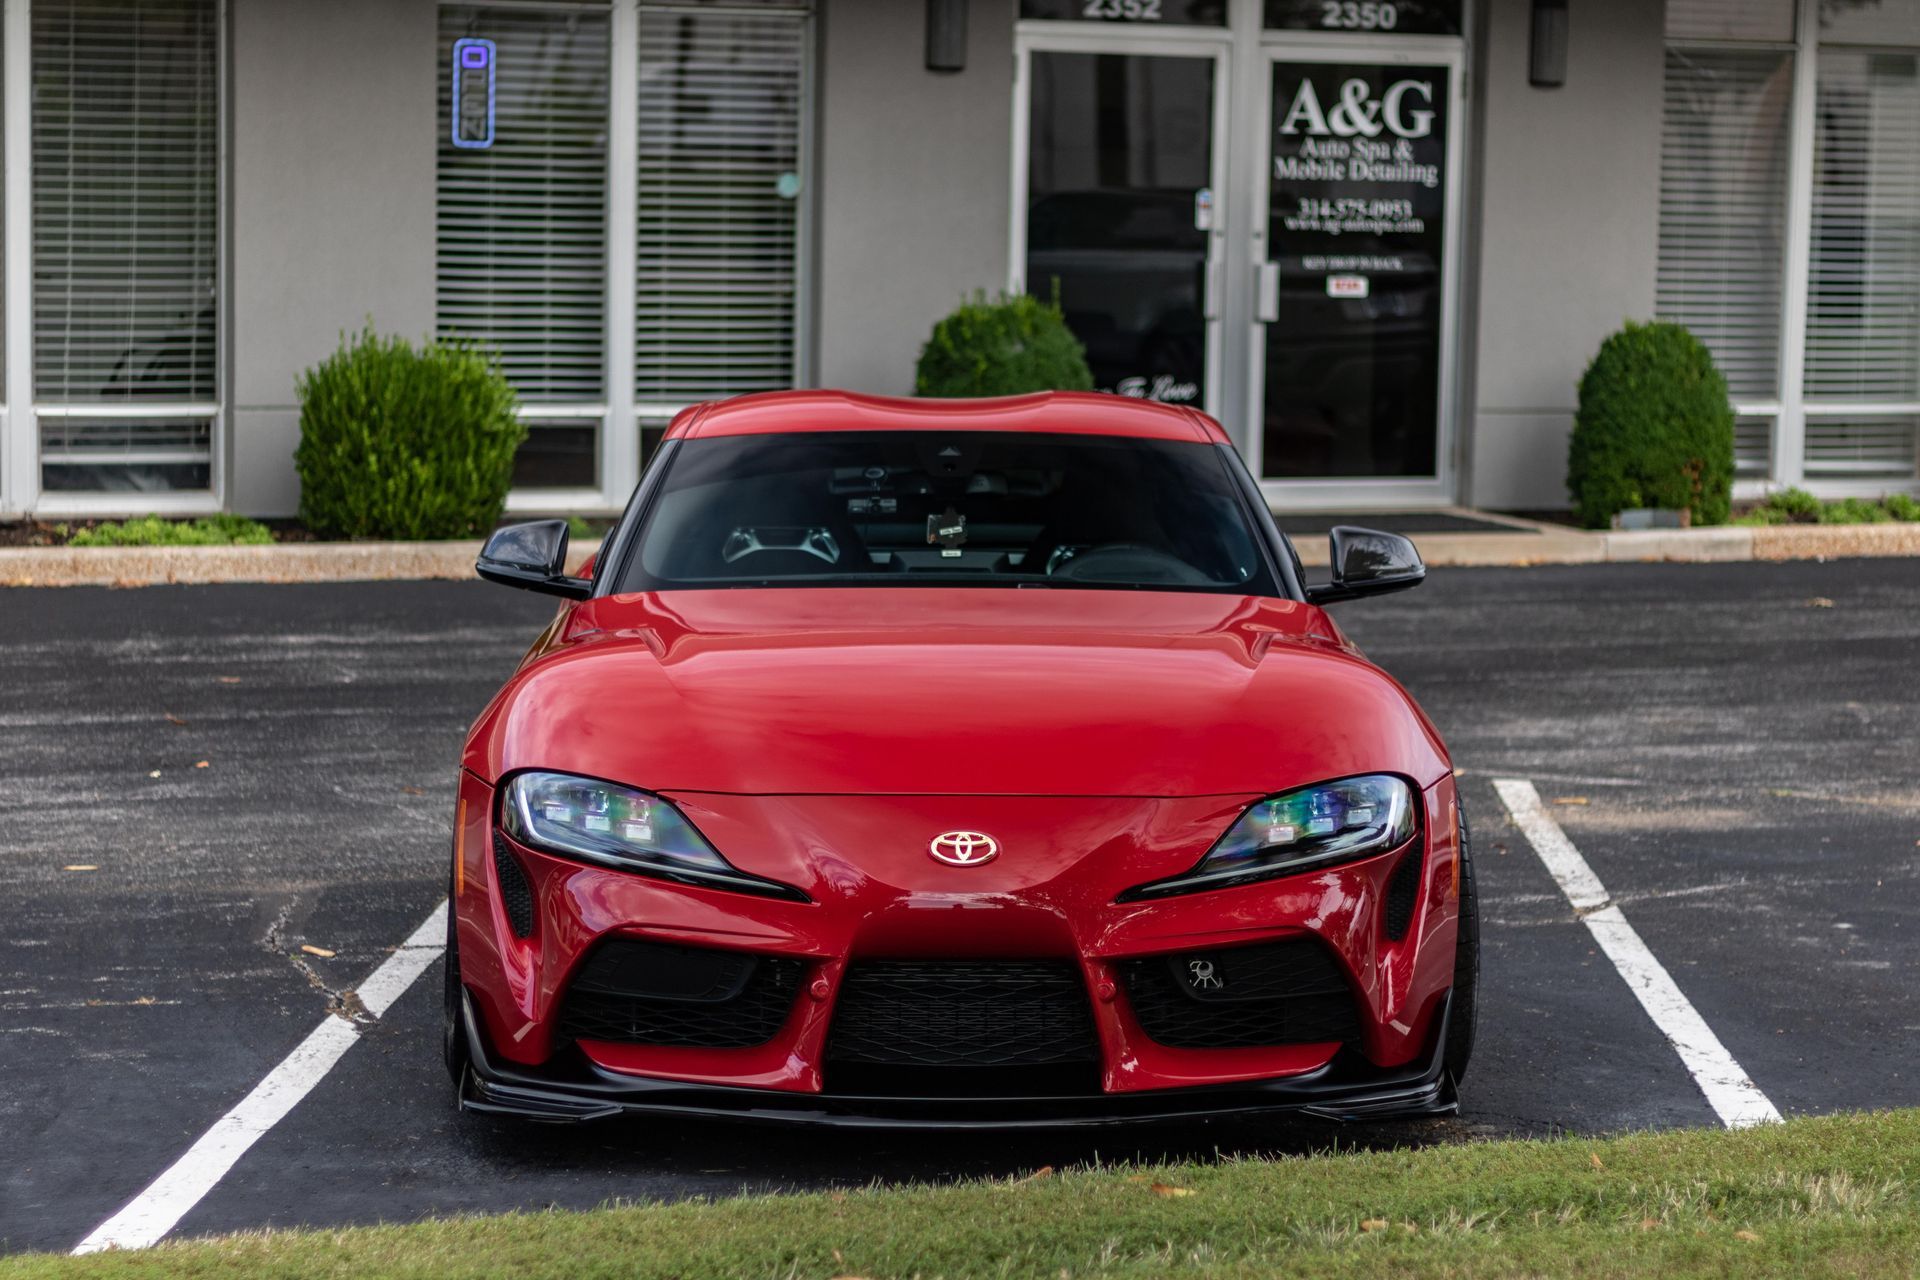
point(1357, 231)
point(1844, 404)
point(1863, 330)
point(1119, 208)
point(720, 193)
point(126, 218)
point(1723, 207)
point(521, 219)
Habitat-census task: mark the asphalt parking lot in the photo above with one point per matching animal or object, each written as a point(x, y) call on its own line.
point(251, 770)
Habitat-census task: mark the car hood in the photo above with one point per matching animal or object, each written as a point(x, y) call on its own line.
point(952, 691)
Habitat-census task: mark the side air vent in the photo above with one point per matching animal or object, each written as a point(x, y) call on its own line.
point(1403, 892)
point(515, 894)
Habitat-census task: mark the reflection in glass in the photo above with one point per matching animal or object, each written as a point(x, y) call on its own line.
point(1119, 202)
point(1356, 229)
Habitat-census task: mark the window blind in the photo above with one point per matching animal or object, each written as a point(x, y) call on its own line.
point(125, 200)
point(1863, 333)
point(1723, 208)
point(521, 241)
point(1752, 445)
point(1863, 329)
point(719, 171)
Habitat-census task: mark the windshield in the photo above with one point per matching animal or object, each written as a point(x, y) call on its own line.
point(966, 508)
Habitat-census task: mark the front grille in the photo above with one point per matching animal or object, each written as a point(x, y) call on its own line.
point(962, 1014)
point(515, 894)
point(631, 992)
point(1278, 993)
point(1403, 890)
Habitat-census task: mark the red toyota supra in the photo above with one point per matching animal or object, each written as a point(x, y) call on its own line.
point(949, 763)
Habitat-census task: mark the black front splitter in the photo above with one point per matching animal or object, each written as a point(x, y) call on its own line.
point(1348, 1088)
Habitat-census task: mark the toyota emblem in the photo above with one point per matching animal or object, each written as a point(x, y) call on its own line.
point(964, 848)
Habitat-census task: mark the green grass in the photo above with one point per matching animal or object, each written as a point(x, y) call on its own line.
point(1834, 1196)
point(1797, 506)
point(152, 531)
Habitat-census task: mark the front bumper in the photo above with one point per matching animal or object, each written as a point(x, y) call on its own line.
point(570, 1088)
point(524, 954)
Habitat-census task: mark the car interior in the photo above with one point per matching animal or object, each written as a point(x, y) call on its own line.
point(964, 506)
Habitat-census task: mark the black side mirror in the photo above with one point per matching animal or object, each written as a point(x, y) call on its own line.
point(1367, 562)
point(533, 556)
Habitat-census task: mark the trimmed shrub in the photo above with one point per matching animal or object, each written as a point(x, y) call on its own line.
point(405, 442)
point(1006, 347)
point(152, 531)
point(1654, 429)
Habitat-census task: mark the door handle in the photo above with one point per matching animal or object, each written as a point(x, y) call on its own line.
point(1211, 288)
point(1267, 291)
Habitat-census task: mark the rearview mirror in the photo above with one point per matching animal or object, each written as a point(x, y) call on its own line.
point(1367, 562)
point(532, 556)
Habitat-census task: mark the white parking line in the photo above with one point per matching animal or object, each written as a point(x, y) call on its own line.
point(1729, 1090)
point(154, 1212)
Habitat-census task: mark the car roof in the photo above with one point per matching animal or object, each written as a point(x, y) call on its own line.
point(1047, 412)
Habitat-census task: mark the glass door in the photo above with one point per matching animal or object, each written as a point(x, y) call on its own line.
point(1354, 235)
point(1118, 216)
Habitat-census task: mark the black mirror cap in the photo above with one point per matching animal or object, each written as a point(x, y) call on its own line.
point(532, 556)
point(1368, 562)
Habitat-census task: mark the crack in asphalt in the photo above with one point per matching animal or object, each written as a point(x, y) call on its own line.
point(341, 1002)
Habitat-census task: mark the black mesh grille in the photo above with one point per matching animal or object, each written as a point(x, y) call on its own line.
point(917, 1013)
point(515, 894)
point(1403, 891)
point(1279, 993)
point(632, 992)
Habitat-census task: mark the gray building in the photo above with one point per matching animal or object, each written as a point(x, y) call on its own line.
point(1379, 239)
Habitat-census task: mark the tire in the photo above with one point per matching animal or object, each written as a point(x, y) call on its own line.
point(1463, 1017)
point(453, 1039)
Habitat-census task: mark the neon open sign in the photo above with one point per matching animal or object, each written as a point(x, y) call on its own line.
point(473, 80)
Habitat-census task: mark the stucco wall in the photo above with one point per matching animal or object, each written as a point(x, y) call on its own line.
point(913, 181)
point(332, 206)
point(1568, 232)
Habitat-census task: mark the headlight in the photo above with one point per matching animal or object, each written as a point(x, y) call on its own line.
point(1301, 831)
point(622, 828)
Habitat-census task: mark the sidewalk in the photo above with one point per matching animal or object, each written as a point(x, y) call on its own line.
point(1462, 538)
point(1508, 540)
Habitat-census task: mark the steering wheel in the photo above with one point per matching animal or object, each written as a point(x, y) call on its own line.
point(1130, 562)
point(813, 541)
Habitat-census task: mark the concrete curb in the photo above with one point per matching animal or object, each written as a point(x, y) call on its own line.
point(283, 562)
point(1677, 546)
point(382, 561)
